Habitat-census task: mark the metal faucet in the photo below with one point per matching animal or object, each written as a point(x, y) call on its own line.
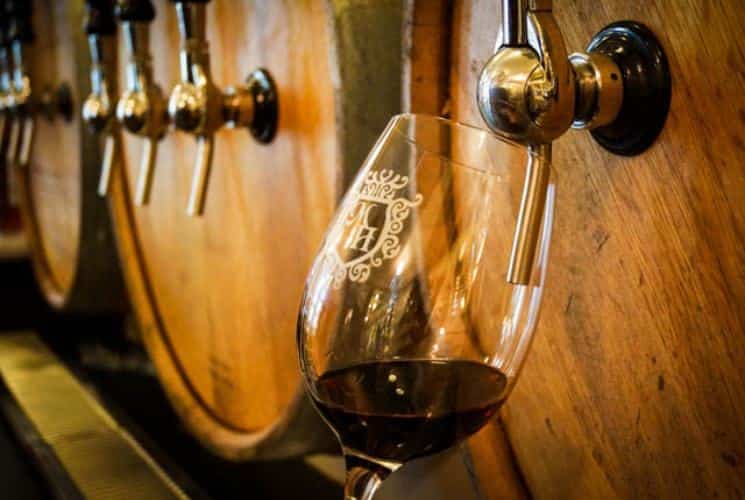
point(19, 97)
point(199, 107)
point(98, 108)
point(532, 92)
point(141, 108)
point(21, 101)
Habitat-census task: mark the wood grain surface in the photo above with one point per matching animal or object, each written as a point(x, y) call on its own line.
point(217, 296)
point(634, 386)
point(53, 180)
point(68, 225)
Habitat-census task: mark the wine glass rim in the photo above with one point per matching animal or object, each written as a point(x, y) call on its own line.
point(464, 126)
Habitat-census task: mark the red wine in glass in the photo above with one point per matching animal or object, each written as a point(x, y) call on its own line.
point(396, 411)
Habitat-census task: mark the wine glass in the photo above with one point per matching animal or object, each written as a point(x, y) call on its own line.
point(410, 337)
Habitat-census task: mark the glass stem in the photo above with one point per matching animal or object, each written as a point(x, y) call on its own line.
point(363, 478)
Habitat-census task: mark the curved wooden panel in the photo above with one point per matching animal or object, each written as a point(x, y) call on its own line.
point(68, 225)
point(217, 296)
point(634, 386)
point(53, 179)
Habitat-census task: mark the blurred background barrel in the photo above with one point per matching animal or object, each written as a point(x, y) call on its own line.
point(67, 224)
point(217, 296)
point(634, 387)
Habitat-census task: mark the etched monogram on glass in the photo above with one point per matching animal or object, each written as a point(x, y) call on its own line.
point(371, 226)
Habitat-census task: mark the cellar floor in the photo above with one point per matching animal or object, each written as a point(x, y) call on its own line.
point(18, 475)
point(104, 360)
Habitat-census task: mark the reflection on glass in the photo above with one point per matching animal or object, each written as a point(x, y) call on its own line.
point(410, 337)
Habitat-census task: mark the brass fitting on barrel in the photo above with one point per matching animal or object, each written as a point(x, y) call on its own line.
point(98, 108)
point(21, 101)
point(197, 106)
point(532, 92)
point(141, 109)
point(18, 101)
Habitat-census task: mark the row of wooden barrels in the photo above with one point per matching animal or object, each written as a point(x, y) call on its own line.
point(634, 387)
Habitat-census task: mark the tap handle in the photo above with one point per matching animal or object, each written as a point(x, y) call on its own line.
point(19, 141)
point(27, 137)
point(99, 18)
point(106, 165)
point(514, 23)
point(57, 101)
point(134, 10)
point(145, 175)
point(99, 21)
point(13, 139)
point(200, 179)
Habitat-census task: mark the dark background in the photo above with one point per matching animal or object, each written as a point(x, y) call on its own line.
point(105, 355)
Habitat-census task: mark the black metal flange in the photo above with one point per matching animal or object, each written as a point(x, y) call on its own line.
point(266, 108)
point(646, 87)
point(57, 101)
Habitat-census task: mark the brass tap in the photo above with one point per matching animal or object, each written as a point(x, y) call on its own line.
point(141, 109)
point(98, 108)
point(19, 99)
point(197, 106)
point(532, 92)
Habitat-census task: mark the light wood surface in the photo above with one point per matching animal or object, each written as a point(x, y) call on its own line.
point(67, 224)
point(53, 180)
point(217, 296)
point(634, 386)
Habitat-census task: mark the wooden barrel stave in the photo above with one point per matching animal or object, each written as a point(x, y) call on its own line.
point(632, 388)
point(645, 253)
point(68, 226)
point(213, 331)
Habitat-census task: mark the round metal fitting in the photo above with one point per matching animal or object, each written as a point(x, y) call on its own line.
point(645, 74)
point(187, 106)
point(96, 111)
point(133, 111)
point(599, 90)
point(57, 101)
point(263, 91)
point(504, 92)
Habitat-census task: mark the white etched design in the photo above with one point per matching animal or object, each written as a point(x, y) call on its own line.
point(373, 244)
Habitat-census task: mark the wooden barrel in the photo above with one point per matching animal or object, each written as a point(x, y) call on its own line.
point(634, 387)
point(12, 243)
point(67, 224)
point(217, 296)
